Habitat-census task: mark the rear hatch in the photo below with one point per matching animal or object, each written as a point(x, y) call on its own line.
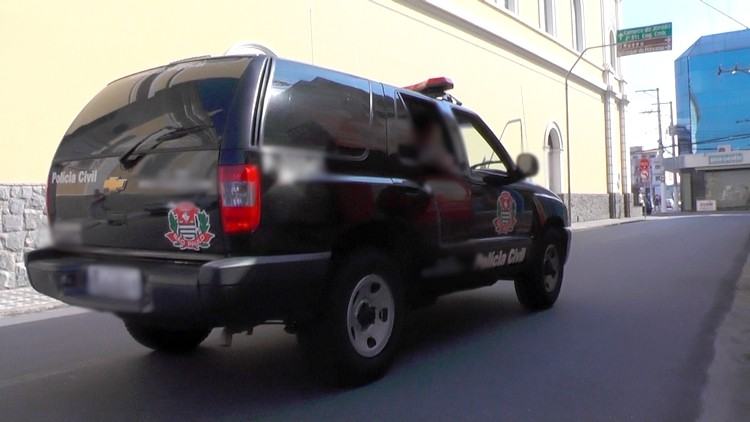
point(137, 169)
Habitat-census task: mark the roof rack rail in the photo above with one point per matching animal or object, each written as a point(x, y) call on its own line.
point(189, 59)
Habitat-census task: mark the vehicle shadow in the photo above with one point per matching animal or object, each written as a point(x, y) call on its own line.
point(458, 318)
point(265, 373)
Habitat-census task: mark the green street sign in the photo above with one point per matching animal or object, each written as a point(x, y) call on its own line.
point(644, 39)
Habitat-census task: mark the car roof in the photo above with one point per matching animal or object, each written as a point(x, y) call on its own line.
point(182, 61)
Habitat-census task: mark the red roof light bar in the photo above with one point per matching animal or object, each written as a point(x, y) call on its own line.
point(432, 86)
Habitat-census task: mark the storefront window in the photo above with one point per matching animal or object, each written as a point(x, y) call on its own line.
point(729, 188)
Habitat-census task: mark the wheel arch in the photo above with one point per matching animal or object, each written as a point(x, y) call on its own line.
point(551, 214)
point(556, 223)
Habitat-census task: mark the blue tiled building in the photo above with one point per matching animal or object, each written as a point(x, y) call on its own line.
point(712, 80)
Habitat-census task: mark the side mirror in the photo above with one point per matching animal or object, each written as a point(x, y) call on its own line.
point(527, 164)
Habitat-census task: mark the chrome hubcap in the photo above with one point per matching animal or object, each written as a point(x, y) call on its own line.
point(370, 314)
point(551, 268)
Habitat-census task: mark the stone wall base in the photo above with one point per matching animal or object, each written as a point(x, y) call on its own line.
point(594, 206)
point(24, 228)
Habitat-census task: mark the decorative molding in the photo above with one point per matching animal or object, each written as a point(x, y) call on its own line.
point(461, 18)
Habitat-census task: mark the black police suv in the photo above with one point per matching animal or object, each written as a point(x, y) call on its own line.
point(241, 190)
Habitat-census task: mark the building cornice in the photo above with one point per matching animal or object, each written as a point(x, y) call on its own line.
point(459, 17)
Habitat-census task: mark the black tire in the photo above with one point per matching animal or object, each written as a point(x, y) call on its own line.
point(166, 340)
point(534, 289)
point(329, 342)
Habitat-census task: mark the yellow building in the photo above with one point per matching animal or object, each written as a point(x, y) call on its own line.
point(507, 58)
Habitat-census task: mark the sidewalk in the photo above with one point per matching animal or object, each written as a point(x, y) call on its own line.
point(25, 300)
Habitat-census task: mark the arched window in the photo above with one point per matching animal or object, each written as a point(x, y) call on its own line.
point(578, 36)
point(547, 16)
point(553, 145)
point(612, 50)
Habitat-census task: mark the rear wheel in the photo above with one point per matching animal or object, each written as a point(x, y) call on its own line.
point(539, 288)
point(166, 340)
point(355, 339)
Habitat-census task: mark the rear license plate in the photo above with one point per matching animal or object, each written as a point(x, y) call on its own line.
point(121, 283)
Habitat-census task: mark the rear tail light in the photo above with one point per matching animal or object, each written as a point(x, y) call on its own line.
point(239, 187)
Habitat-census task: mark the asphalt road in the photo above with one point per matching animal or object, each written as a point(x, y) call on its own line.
point(630, 338)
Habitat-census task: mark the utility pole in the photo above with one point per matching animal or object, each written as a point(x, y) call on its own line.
point(658, 111)
point(671, 128)
point(663, 181)
point(674, 155)
point(671, 123)
point(674, 152)
point(662, 187)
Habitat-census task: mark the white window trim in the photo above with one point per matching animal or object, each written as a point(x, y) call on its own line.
point(553, 126)
point(550, 127)
point(543, 18)
point(513, 9)
point(573, 25)
point(612, 60)
point(500, 4)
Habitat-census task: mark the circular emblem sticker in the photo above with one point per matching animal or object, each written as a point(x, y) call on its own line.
point(189, 227)
point(506, 220)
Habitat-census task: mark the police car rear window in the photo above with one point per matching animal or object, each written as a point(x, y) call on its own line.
point(185, 95)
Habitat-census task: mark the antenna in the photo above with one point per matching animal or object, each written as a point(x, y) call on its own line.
point(245, 48)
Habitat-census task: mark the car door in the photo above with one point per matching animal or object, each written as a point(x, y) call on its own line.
point(500, 231)
point(427, 144)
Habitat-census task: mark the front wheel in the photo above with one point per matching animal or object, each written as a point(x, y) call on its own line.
point(540, 286)
point(355, 339)
point(166, 340)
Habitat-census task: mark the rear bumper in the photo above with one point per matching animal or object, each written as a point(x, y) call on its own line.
point(216, 293)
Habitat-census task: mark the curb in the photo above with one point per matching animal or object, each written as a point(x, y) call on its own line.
point(23, 310)
point(25, 300)
point(63, 311)
point(609, 224)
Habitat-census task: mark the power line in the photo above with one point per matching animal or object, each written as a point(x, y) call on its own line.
point(724, 14)
point(738, 137)
point(730, 138)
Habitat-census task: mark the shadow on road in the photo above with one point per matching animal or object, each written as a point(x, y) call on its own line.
point(266, 372)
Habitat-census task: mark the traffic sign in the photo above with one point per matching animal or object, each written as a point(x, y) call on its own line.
point(644, 167)
point(644, 39)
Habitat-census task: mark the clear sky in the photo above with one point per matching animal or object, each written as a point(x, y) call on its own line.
point(690, 20)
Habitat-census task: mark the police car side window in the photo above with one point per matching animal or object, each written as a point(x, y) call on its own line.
point(427, 141)
point(477, 145)
point(400, 132)
point(319, 109)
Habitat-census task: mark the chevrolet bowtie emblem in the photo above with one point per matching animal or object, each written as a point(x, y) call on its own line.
point(115, 184)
